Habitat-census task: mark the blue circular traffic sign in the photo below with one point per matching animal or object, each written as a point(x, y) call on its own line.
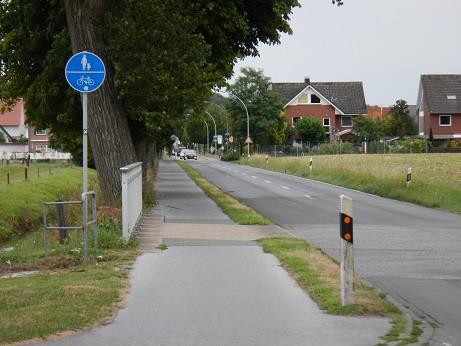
point(85, 72)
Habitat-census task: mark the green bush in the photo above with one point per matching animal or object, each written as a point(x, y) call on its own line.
point(110, 235)
point(336, 148)
point(449, 143)
point(232, 156)
point(409, 146)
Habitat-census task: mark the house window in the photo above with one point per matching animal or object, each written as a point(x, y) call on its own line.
point(326, 125)
point(315, 99)
point(40, 132)
point(346, 121)
point(41, 147)
point(295, 120)
point(302, 98)
point(451, 96)
point(445, 120)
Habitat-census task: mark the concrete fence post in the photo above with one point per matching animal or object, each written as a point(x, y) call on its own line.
point(347, 251)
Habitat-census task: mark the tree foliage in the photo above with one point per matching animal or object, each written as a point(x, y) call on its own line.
point(267, 124)
point(400, 122)
point(366, 128)
point(310, 129)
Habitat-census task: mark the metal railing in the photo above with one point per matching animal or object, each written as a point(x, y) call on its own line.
point(131, 197)
point(84, 225)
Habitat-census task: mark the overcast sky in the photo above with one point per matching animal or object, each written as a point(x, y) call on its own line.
point(386, 44)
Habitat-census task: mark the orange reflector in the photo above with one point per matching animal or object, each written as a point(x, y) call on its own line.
point(347, 219)
point(347, 236)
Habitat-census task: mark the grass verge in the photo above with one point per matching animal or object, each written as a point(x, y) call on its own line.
point(239, 213)
point(434, 176)
point(56, 301)
point(318, 274)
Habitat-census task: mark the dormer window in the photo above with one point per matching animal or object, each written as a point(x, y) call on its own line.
point(315, 99)
point(451, 96)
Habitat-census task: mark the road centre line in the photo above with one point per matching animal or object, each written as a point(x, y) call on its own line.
point(285, 187)
point(254, 177)
point(308, 196)
point(267, 181)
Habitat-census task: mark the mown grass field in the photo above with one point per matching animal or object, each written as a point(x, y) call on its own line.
point(436, 178)
point(34, 171)
point(22, 202)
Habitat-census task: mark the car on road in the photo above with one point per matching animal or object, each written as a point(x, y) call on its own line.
point(177, 151)
point(187, 154)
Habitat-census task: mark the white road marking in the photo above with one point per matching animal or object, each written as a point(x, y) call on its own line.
point(308, 196)
point(267, 181)
point(285, 187)
point(254, 177)
point(244, 174)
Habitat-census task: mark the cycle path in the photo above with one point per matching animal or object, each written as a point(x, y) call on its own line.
point(218, 291)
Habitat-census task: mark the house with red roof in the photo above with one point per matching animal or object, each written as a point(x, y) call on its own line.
point(20, 137)
point(439, 106)
point(334, 104)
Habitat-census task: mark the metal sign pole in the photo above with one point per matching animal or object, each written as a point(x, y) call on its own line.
point(85, 174)
point(85, 72)
point(85, 142)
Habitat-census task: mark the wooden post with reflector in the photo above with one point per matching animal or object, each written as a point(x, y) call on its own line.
point(346, 230)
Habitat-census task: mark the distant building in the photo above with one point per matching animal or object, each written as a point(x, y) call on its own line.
point(20, 137)
point(378, 112)
point(439, 106)
point(335, 104)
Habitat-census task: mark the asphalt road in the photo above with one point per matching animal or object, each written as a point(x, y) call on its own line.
point(412, 252)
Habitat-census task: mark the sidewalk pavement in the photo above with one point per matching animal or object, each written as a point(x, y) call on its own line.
point(215, 286)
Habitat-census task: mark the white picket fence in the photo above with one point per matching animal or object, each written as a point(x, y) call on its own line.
point(131, 197)
point(35, 156)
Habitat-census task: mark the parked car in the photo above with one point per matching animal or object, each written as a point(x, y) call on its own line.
point(188, 154)
point(178, 151)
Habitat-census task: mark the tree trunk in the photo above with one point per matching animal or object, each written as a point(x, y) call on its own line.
point(108, 130)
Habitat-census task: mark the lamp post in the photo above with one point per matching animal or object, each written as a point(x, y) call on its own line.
point(222, 110)
point(248, 120)
point(215, 132)
point(207, 136)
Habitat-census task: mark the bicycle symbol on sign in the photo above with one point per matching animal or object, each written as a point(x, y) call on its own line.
point(85, 81)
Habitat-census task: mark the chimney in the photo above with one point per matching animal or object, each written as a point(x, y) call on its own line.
point(307, 79)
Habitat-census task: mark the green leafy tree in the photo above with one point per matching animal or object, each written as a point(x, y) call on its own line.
point(2, 137)
point(310, 129)
point(162, 57)
point(264, 108)
point(367, 128)
point(400, 122)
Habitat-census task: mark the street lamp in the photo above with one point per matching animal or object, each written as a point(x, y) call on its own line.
point(222, 110)
point(215, 132)
point(207, 136)
point(248, 120)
